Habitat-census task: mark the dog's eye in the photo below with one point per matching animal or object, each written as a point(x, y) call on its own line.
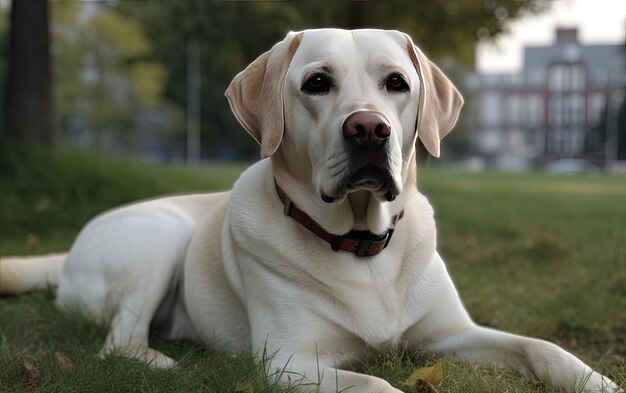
point(396, 83)
point(318, 84)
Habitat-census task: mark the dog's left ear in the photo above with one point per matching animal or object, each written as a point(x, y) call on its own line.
point(256, 94)
point(440, 102)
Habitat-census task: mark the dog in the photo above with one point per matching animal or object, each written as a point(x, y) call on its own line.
point(323, 253)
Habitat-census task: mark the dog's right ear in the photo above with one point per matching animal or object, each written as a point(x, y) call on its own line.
point(256, 94)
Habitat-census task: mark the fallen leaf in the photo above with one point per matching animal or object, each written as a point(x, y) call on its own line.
point(431, 376)
point(63, 361)
point(43, 205)
point(244, 387)
point(32, 371)
point(32, 239)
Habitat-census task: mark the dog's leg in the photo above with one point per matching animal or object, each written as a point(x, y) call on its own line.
point(134, 313)
point(136, 308)
point(315, 374)
point(129, 336)
point(294, 360)
point(532, 357)
point(120, 270)
point(446, 329)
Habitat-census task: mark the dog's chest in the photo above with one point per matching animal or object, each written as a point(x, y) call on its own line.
point(378, 316)
point(373, 301)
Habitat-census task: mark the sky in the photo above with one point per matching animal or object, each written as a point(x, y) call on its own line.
point(598, 22)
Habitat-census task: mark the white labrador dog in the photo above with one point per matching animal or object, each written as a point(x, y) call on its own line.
point(298, 259)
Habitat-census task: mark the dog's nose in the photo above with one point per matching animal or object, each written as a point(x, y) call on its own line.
point(366, 129)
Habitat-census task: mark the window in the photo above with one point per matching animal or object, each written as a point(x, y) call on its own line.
point(597, 103)
point(490, 141)
point(535, 141)
point(567, 77)
point(579, 77)
point(576, 141)
point(535, 110)
point(555, 80)
point(491, 103)
point(576, 107)
point(514, 109)
point(555, 141)
point(566, 142)
point(556, 110)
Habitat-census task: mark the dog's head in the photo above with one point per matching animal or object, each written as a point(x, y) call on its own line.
point(343, 109)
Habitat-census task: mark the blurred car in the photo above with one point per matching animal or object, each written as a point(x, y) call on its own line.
point(571, 165)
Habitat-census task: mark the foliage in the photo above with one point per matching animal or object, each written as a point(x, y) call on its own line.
point(595, 139)
point(104, 81)
point(230, 34)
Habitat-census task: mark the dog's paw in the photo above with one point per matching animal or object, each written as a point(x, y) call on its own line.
point(598, 383)
point(149, 356)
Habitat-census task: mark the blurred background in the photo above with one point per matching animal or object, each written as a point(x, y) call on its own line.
point(543, 80)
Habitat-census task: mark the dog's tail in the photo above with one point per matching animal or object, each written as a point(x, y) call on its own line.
point(26, 274)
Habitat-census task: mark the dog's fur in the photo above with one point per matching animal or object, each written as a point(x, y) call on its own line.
point(231, 270)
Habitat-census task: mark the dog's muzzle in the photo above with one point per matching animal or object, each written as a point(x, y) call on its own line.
point(366, 135)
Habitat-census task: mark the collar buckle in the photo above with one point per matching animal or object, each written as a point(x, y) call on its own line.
point(364, 245)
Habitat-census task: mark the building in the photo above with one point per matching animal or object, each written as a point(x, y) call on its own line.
point(544, 112)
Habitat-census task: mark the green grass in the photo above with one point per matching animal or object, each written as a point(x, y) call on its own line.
point(46, 198)
point(533, 254)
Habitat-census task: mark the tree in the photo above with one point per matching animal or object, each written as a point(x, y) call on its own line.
point(106, 88)
point(596, 140)
point(27, 106)
point(230, 34)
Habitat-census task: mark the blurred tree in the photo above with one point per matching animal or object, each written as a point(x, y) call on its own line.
point(105, 85)
point(27, 105)
point(232, 34)
point(596, 141)
point(442, 28)
point(4, 56)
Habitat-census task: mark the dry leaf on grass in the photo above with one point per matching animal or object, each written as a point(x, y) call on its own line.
point(427, 377)
point(32, 371)
point(32, 239)
point(63, 361)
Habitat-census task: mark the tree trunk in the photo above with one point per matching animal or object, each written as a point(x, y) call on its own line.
point(28, 81)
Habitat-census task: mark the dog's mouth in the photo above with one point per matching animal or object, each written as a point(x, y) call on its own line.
point(369, 177)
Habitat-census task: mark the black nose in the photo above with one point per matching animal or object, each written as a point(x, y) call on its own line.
point(366, 129)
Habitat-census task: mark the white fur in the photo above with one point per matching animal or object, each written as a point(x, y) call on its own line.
point(233, 271)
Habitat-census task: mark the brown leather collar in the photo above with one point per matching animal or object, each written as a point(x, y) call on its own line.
point(361, 243)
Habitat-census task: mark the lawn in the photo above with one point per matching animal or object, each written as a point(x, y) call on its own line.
point(531, 253)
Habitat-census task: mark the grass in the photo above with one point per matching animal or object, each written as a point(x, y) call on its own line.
point(530, 253)
point(47, 197)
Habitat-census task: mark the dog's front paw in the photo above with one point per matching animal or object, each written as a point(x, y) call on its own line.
point(151, 357)
point(598, 383)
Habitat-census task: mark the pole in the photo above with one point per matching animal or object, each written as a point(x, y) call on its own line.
point(193, 102)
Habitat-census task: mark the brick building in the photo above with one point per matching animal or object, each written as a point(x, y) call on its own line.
point(544, 112)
